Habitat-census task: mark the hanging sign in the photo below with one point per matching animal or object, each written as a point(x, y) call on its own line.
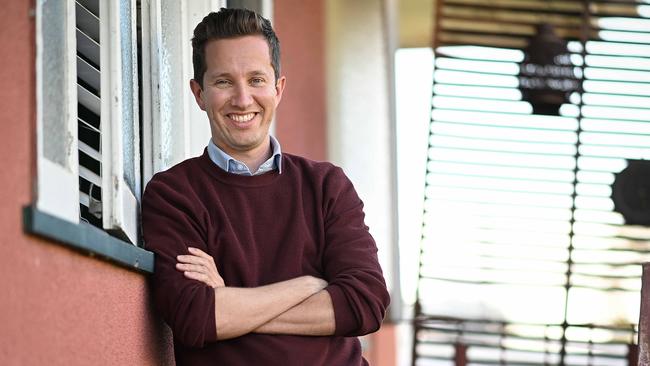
point(547, 76)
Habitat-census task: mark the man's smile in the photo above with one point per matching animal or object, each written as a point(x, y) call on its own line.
point(241, 117)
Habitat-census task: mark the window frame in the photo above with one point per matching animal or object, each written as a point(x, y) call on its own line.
point(50, 174)
point(168, 108)
point(54, 213)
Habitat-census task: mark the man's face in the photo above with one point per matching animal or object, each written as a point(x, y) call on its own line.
point(239, 94)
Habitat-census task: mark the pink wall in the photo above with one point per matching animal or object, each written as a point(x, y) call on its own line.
point(61, 307)
point(301, 117)
point(57, 306)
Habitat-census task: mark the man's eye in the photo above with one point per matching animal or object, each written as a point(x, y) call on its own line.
point(222, 83)
point(257, 81)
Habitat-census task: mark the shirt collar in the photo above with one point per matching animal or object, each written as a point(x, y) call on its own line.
point(232, 165)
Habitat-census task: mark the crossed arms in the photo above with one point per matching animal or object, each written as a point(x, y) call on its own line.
point(299, 306)
point(349, 300)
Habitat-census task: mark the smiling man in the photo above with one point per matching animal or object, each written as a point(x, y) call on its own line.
point(262, 257)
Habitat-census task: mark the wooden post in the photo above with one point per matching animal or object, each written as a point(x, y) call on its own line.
point(460, 355)
point(644, 320)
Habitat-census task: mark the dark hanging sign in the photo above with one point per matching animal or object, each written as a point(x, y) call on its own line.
point(546, 76)
point(631, 192)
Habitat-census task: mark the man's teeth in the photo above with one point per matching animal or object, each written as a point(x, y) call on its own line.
point(242, 117)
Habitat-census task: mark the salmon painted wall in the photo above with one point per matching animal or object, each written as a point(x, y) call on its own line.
point(57, 306)
point(301, 117)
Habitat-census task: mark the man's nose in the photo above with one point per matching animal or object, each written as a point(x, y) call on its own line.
point(242, 97)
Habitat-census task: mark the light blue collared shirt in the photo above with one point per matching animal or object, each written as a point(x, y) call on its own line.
point(234, 166)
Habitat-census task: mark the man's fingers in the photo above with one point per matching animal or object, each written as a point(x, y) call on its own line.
point(208, 260)
point(199, 252)
point(192, 259)
point(199, 266)
point(191, 267)
point(189, 258)
point(199, 277)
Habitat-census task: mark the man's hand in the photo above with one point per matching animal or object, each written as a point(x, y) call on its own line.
point(198, 265)
point(281, 297)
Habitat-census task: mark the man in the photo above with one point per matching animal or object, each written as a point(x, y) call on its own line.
point(262, 257)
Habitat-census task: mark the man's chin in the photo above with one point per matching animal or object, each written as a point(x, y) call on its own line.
point(249, 145)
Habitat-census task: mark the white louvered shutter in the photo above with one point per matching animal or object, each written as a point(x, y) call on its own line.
point(89, 110)
point(108, 127)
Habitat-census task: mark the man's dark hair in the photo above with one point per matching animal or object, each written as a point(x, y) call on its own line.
point(231, 23)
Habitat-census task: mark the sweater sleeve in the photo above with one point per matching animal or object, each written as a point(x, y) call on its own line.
point(171, 222)
point(356, 283)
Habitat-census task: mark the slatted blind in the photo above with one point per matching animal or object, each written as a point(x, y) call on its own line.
point(89, 110)
point(524, 259)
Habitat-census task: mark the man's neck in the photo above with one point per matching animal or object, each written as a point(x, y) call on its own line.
point(253, 158)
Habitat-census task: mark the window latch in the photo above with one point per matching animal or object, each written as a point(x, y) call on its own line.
point(94, 205)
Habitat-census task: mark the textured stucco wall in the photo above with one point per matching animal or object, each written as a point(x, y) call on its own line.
point(57, 306)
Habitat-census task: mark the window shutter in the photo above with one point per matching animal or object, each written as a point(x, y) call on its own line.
point(89, 110)
point(120, 130)
point(107, 109)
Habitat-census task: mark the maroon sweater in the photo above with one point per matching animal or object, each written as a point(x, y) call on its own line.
point(260, 230)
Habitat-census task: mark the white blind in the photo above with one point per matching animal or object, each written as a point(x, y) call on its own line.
point(523, 258)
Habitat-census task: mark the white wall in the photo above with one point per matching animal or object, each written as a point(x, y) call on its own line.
point(359, 122)
point(414, 79)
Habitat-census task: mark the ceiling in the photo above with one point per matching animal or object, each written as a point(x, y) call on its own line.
point(415, 23)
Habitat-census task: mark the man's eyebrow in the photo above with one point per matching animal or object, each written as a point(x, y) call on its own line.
point(218, 75)
point(227, 74)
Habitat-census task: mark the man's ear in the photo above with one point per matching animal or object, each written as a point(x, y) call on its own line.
point(197, 91)
point(279, 89)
